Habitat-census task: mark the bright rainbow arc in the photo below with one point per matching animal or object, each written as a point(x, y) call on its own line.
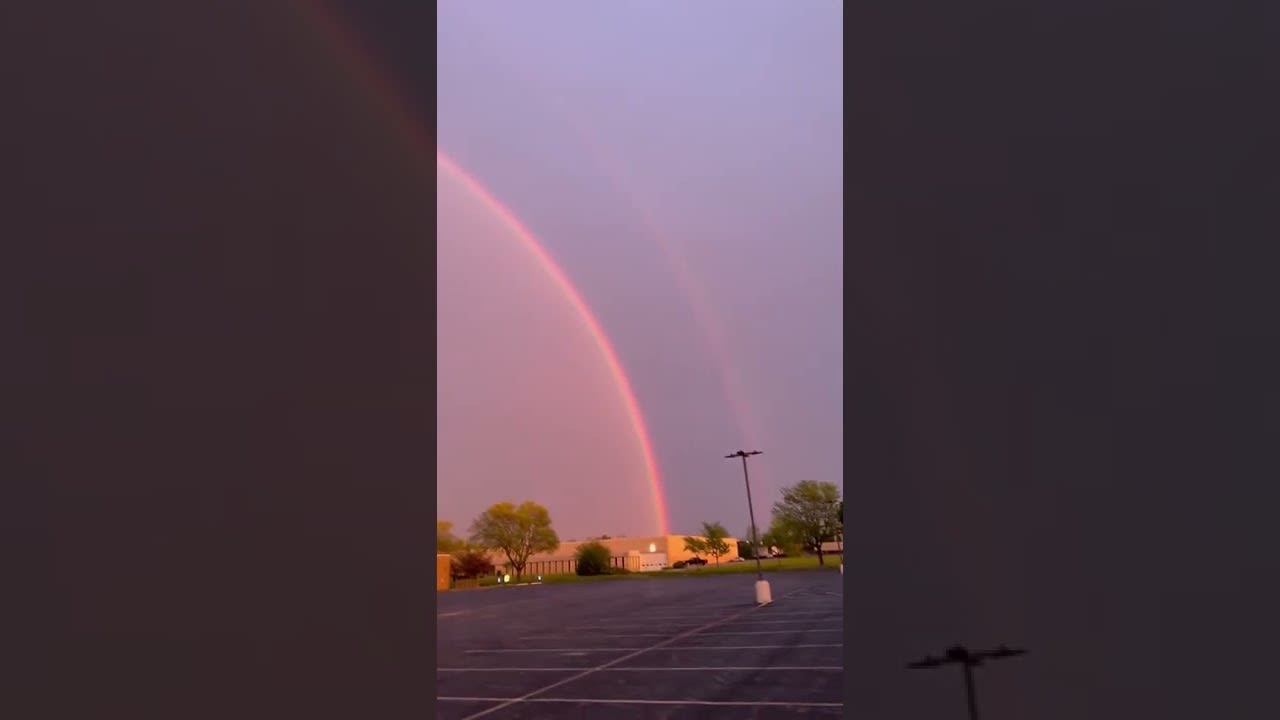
point(704, 314)
point(575, 298)
point(403, 116)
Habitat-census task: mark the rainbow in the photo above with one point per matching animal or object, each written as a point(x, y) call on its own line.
point(704, 313)
point(612, 362)
point(400, 113)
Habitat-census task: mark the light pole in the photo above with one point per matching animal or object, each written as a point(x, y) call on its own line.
point(762, 586)
point(960, 655)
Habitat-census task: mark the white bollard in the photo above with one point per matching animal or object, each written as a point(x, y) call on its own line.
point(841, 568)
point(763, 596)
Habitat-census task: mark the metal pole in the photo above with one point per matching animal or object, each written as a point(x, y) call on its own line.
point(972, 695)
point(755, 550)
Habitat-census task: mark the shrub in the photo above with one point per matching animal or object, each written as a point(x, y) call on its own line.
point(618, 571)
point(470, 564)
point(593, 559)
point(679, 564)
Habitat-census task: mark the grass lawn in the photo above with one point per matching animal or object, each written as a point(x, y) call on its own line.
point(805, 562)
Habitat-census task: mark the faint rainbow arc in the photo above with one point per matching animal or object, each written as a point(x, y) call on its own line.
point(704, 314)
point(329, 23)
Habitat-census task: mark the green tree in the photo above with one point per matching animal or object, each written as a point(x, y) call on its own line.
point(592, 559)
point(807, 514)
point(695, 545)
point(446, 541)
point(714, 540)
point(779, 536)
point(516, 531)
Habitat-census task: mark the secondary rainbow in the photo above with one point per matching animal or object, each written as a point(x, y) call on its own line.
point(402, 116)
point(703, 310)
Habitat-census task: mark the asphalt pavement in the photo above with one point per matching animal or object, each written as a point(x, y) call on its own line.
point(627, 649)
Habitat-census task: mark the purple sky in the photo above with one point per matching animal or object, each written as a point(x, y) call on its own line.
point(682, 164)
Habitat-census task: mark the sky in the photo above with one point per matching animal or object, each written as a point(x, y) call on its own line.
point(689, 186)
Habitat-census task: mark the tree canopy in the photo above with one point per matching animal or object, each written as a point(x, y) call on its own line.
point(592, 559)
point(714, 542)
point(446, 541)
point(695, 545)
point(780, 537)
point(808, 514)
point(518, 532)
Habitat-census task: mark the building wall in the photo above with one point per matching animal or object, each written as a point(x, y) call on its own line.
point(622, 549)
point(442, 572)
point(676, 551)
point(672, 545)
point(631, 561)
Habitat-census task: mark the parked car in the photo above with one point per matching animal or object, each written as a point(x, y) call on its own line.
point(691, 562)
point(738, 559)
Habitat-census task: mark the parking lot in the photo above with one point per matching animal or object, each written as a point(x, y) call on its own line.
point(679, 649)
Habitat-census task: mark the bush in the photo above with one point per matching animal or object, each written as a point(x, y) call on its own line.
point(593, 559)
point(618, 571)
point(470, 564)
point(679, 564)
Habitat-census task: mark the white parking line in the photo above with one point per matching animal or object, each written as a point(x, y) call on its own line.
point(681, 626)
point(784, 622)
point(499, 651)
point(686, 619)
point(566, 651)
point(726, 608)
point(507, 702)
point(696, 621)
point(750, 632)
point(630, 668)
point(701, 634)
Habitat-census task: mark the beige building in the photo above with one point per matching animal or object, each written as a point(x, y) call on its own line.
point(637, 554)
point(443, 574)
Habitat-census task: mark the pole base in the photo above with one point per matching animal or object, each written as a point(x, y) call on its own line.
point(763, 595)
